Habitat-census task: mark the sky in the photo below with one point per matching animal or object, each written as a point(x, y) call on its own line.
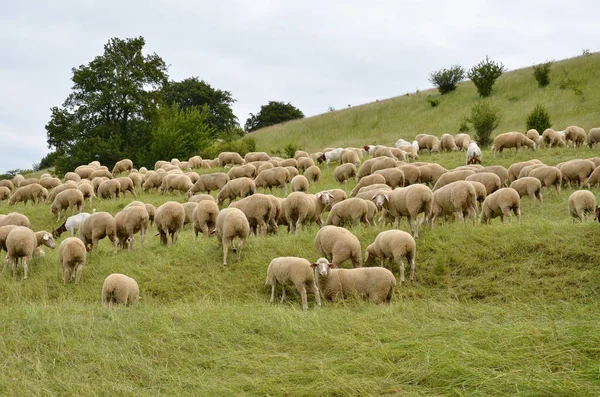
point(313, 54)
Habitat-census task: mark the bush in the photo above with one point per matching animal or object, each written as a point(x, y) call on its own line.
point(538, 119)
point(464, 125)
point(433, 102)
point(541, 73)
point(446, 79)
point(485, 118)
point(484, 75)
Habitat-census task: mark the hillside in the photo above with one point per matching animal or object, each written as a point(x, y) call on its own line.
point(515, 93)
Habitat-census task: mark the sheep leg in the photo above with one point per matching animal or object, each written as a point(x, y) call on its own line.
point(302, 289)
point(473, 214)
point(174, 236)
point(272, 293)
point(282, 293)
point(78, 271)
point(401, 263)
point(517, 212)
point(315, 290)
point(14, 266)
point(25, 266)
point(225, 249)
point(241, 242)
point(66, 274)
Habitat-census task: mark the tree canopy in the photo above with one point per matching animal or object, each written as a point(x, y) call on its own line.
point(272, 113)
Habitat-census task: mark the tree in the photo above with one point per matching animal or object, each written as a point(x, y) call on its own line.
point(109, 113)
point(193, 92)
point(446, 79)
point(538, 119)
point(484, 75)
point(272, 113)
point(541, 73)
point(485, 119)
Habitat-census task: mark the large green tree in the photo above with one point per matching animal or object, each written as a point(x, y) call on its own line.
point(272, 113)
point(110, 112)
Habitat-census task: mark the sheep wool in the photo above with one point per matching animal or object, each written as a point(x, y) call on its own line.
point(119, 289)
point(292, 270)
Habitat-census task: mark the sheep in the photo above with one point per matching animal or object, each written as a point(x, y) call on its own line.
point(344, 172)
point(21, 242)
point(300, 153)
point(509, 140)
point(473, 154)
point(551, 138)
point(109, 189)
point(575, 135)
point(534, 135)
point(365, 168)
point(349, 156)
point(338, 245)
point(259, 211)
point(515, 169)
point(581, 203)
point(71, 257)
point(593, 137)
point(49, 183)
point(204, 218)
point(119, 289)
point(293, 171)
point(548, 176)
point(576, 170)
point(304, 163)
point(4, 193)
point(150, 209)
point(410, 202)
point(393, 245)
point(368, 194)
point(292, 270)
point(375, 283)
point(153, 180)
point(247, 170)
point(301, 208)
point(312, 173)
point(529, 186)
point(14, 218)
point(71, 224)
point(429, 142)
point(84, 171)
point(136, 178)
point(490, 180)
point(593, 180)
point(383, 163)
point(122, 166)
point(336, 195)
point(412, 173)
point(384, 151)
point(87, 189)
point(195, 162)
point(462, 141)
point(498, 170)
point(209, 182)
point(171, 182)
point(201, 197)
point(95, 164)
point(447, 143)
point(240, 187)
point(130, 221)
point(480, 191)
point(452, 176)
point(500, 203)
point(67, 199)
point(189, 208)
point(457, 197)
point(263, 166)
point(272, 177)
point(169, 220)
point(394, 177)
point(96, 227)
point(366, 181)
point(18, 179)
point(348, 211)
point(34, 192)
point(4, 231)
point(430, 172)
point(231, 223)
point(230, 158)
point(332, 155)
point(29, 181)
point(289, 163)
point(126, 185)
point(299, 183)
point(7, 184)
point(256, 156)
point(100, 173)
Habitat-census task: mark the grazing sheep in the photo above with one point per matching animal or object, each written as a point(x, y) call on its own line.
point(231, 224)
point(169, 220)
point(263, 166)
point(548, 176)
point(18, 179)
point(189, 208)
point(593, 180)
point(292, 270)
point(430, 172)
point(576, 171)
point(71, 257)
point(230, 158)
point(61, 188)
point(100, 173)
point(49, 183)
point(452, 176)
point(473, 154)
point(240, 187)
point(375, 283)
point(344, 172)
point(34, 192)
point(393, 245)
point(122, 166)
point(209, 182)
point(181, 183)
point(593, 137)
point(153, 180)
point(300, 153)
point(293, 171)
point(304, 163)
point(366, 181)
point(119, 289)
point(412, 173)
point(87, 189)
point(447, 143)
point(4, 193)
point(259, 211)
point(457, 198)
point(410, 202)
point(498, 170)
point(509, 140)
point(195, 162)
point(289, 163)
point(575, 135)
point(301, 208)
point(429, 142)
point(204, 217)
point(67, 199)
point(126, 185)
point(71, 224)
point(97, 226)
point(336, 195)
point(4, 231)
point(273, 177)
point(581, 203)
point(462, 141)
point(338, 245)
point(515, 169)
point(7, 184)
point(14, 218)
point(109, 189)
point(551, 138)
point(201, 197)
point(529, 186)
point(247, 170)
point(21, 242)
point(490, 180)
point(382, 163)
point(365, 168)
point(130, 221)
point(534, 135)
point(480, 192)
point(299, 183)
point(312, 173)
point(149, 208)
point(29, 181)
point(349, 156)
point(256, 156)
point(500, 203)
point(349, 211)
point(394, 177)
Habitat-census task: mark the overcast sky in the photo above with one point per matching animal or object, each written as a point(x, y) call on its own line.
point(314, 54)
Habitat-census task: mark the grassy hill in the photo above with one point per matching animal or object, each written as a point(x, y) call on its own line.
point(571, 99)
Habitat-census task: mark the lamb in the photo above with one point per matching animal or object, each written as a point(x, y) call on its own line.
point(338, 245)
point(430, 172)
point(375, 283)
point(410, 202)
point(457, 197)
point(462, 141)
point(97, 226)
point(304, 163)
point(34, 192)
point(509, 140)
point(292, 270)
point(312, 173)
point(110, 189)
point(393, 245)
point(349, 211)
point(169, 220)
point(548, 176)
point(575, 135)
point(126, 185)
point(256, 156)
point(534, 135)
point(301, 208)
point(171, 182)
point(529, 186)
point(332, 155)
point(299, 183)
point(14, 218)
point(473, 154)
point(500, 203)
point(204, 217)
point(259, 211)
point(21, 242)
point(490, 180)
point(272, 177)
point(550, 138)
point(247, 170)
point(4, 193)
point(230, 158)
point(240, 187)
point(231, 224)
point(209, 182)
point(452, 176)
point(130, 221)
point(67, 199)
point(349, 156)
point(71, 257)
point(71, 224)
point(366, 181)
point(447, 143)
point(581, 203)
point(122, 166)
point(593, 137)
point(515, 169)
point(576, 170)
point(119, 289)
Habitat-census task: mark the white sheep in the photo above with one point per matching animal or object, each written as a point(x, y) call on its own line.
point(430, 172)
point(67, 199)
point(126, 185)
point(490, 180)
point(239, 187)
point(473, 154)
point(304, 163)
point(247, 170)
point(14, 218)
point(344, 172)
point(34, 192)
point(452, 176)
point(96, 227)
point(581, 203)
point(204, 217)
point(312, 173)
point(292, 270)
point(21, 242)
point(130, 221)
point(181, 183)
point(299, 183)
point(348, 212)
point(394, 245)
point(447, 143)
point(338, 245)
point(122, 166)
point(593, 137)
point(548, 176)
point(410, 202)
point(119, 289)
point(231, 224)
point(394, 177)
point(457, 198)
point(301, 208)
point(169, 220)
point(274, 177)
point(189, 208)
point(230, 158)
point(375, 283)
point(500, 203)
point(509, 140)
point(575, 135)
point(110, 188)
point(209, 182)
point(366, 181)
point(4, 193)
point(259, 211)
point(529, 186)
point(462, 141)
point(71, 257)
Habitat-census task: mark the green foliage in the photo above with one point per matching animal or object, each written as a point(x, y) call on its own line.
point(541, 73)
point(289, 150)
point(48, 160)
point(464, 125)
point(539, 119)
point(433, 102)
point(485, 118)
point(272, 113)
point(484, 75)
point(446, 79)
point(241, 146)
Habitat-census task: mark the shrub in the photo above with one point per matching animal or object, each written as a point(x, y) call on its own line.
point(433, 102)
point(446, 79)
point(541, 73)
point(464, 125)
point(484, 75)
point(538, 119)
point(485, 119)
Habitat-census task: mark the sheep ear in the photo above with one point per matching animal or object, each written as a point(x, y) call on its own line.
point(332, 265)
point(313, 265)
point(46, 237)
